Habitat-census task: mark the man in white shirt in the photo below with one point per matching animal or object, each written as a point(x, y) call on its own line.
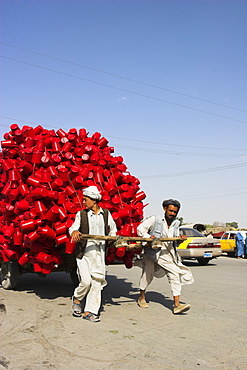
point(90, 254)
point(165, 260)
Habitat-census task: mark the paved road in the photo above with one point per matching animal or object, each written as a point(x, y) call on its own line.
point(39, 332)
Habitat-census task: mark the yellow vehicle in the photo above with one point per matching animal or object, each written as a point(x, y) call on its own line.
point(198, 246)
point(228, 243)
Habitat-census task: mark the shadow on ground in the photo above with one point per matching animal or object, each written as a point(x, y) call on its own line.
point(117, 291)
point(54, 285)
point(121, 291)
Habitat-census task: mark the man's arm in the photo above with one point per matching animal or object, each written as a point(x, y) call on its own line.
point(74, 229)
point(177, 233)
point(145, 226)
point(112, 225)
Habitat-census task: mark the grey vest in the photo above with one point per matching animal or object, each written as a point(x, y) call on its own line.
point(153, 254)
point(157, 231)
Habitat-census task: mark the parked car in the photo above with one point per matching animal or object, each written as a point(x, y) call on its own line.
point(228, 242)
point(198, 246)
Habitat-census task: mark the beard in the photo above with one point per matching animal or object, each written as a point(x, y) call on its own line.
point(170, 218)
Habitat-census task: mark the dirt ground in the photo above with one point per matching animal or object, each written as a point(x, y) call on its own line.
point(39, 332)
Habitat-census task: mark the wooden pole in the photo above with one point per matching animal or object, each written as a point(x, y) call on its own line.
point(128, 238)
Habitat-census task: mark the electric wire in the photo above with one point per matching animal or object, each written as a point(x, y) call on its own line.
point(194, 172)
point(197, 199)
point(125, 90)
point(161, 151)
point(169, 144)
point(215, 192)
point(130, 139)
point(122, 77)
point(182, 173)
point(213, 197)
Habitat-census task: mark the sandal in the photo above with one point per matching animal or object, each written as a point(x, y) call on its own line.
point(142, 303)
point(91, 317)
point(76, 308)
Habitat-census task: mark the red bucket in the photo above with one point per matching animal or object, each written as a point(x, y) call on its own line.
point(61, 239)
point(36, 157)
point(14, 175)
point(24, 259)
point(13, 194)
point(102, 142)
point(63, 173)
point(44, 257)
point(61, 229)
point(31, 237)
point(85, 157)
point(9, 231)
point(47, 232)
point(61, 133)
point(57, 184)
point(62, 214)
point(52, 214)
point(22, 205)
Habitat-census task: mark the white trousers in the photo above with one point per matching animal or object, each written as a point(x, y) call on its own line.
point(89, 287)
point(148, 272)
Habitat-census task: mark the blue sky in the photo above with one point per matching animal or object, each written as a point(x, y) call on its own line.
point(163, 81)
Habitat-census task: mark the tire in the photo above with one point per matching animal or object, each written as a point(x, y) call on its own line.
point(9, 274)
point(74, 276)
point(203, 261)
point(231, 254)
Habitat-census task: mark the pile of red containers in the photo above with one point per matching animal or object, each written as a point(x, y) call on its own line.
point(42, 175)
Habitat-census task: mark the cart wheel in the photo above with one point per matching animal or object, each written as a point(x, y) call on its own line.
point(74, 276)
point(9, 274)
point(203, 261)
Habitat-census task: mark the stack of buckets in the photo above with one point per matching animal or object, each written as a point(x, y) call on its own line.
point(42, 175)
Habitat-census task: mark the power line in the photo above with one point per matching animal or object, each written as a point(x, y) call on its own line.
point(214, 197)
point(197, 198)
point(129, 139)
point(169, 144)
point(167, 151)
point(195, 171)
point(123, 77)
point(120, 89)
point(221, 192)
point(176, 152)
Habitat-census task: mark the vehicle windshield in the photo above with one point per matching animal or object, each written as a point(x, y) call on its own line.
point(190, 232)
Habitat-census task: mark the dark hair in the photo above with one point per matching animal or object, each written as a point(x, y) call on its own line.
point(96, 200)
point(171, 202)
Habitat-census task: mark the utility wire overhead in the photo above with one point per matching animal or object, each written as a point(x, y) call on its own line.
point(207, 196)
point(125, 90)
point(233, 166)
point(122, 77)
point(194, 199)
point(216, 192)
point(138, 140)
point(169, 144)
point(174, 152)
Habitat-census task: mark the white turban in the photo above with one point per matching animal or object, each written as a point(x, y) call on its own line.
point(92, 192)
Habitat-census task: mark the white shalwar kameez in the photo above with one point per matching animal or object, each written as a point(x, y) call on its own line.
point(168, 262)
point(91, 268)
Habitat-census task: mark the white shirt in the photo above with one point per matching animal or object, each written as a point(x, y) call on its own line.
point(96, 225)
point(94, 253)
point(167, 259)
point(168, 232)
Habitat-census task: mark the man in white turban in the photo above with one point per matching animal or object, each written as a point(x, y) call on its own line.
point(92, 192)
point(90, 254)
